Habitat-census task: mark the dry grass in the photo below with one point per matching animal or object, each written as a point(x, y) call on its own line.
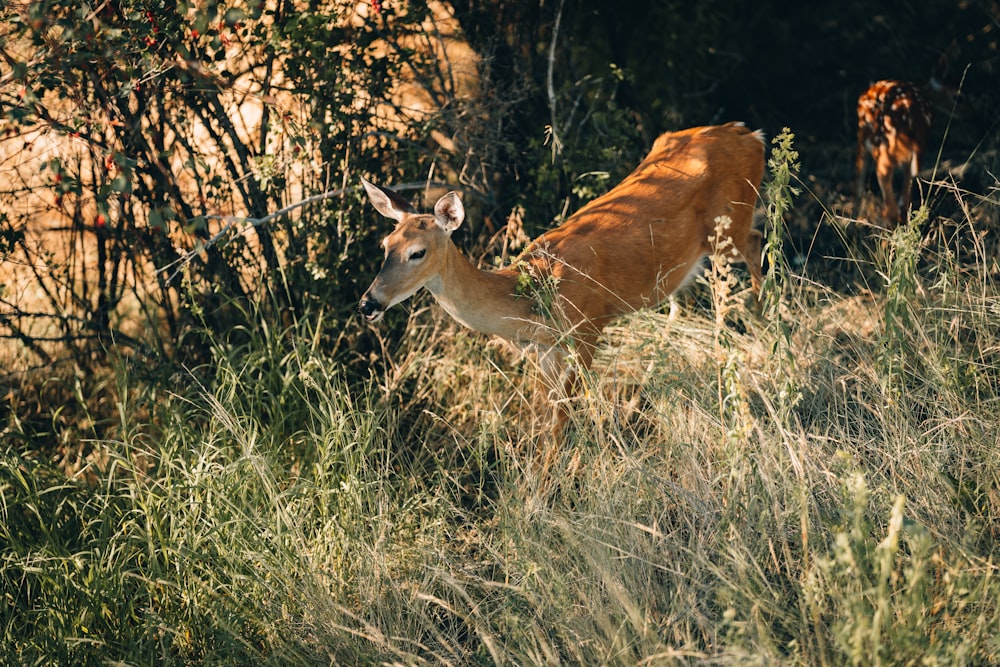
point(283, 515)
point(817, 487)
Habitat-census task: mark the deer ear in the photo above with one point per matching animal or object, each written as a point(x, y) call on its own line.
point(387, 202)
point(449, 212)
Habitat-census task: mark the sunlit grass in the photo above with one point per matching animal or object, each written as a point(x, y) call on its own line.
point(728, 492)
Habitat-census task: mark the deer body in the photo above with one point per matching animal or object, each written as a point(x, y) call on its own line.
point(628, 249)
point(894, 120)
point(894, 123)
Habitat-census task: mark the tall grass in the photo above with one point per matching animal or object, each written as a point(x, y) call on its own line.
point(821, 492)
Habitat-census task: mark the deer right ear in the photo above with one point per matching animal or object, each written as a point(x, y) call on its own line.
point(449, 212)
point(387, 202)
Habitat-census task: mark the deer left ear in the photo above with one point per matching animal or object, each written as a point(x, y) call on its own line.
point(449, 212)
point(387, 202)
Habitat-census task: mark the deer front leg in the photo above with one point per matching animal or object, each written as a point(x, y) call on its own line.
point(557, 380)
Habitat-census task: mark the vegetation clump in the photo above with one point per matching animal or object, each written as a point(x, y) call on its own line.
point(219, 463)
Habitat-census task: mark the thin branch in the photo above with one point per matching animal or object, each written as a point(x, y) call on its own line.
point(87, 331)
point(251, 223)
point(556, 142)
point(46, 365)
point(30, 342)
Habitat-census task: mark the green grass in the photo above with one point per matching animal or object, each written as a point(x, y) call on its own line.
point(814, 488)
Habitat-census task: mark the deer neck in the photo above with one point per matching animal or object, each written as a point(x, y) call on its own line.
point(485, 301)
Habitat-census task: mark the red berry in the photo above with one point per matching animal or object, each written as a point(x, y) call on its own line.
point(101, 220)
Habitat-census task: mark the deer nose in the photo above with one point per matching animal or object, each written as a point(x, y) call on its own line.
point(371, 309)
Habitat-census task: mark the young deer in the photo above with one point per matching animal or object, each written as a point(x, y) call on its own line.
point(894, 122)
point(628, 249)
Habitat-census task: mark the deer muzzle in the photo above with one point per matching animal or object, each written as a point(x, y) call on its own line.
point(371, 309)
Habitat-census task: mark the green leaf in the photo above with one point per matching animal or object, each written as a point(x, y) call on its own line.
point(121, 184)
point(156, 218)
point(234, 15)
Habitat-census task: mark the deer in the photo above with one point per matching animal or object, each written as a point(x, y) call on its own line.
point(894, 123)
point(628, 249)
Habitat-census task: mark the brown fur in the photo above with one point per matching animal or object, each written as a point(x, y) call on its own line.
point(894, 120)
point(894, 124)
point(635, 245)
point(628, 249)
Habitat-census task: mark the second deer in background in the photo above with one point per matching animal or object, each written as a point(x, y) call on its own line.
point(894, 122)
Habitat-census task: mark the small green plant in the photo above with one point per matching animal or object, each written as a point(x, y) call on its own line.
point(894, 594)
point(779, 195)
point(902, 284)
point(542, 290)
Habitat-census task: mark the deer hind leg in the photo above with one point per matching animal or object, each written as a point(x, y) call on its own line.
point(907, 188)
point(749, 248)
point(890, 207)
point(751, 255)
point(748, 241)
point(860, 167)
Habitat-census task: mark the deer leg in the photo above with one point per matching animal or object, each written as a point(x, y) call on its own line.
point(557, 380)
point(556, 383)
point(890, 208)
point(751, 255)
point(561, 379)
point(860, 165)
point(908, 186)
point(552, 363)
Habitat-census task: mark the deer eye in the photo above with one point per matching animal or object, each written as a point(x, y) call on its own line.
point(417, 254)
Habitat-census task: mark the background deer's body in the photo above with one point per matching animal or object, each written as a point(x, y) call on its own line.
point(894, 120)
point(628, 249)
point(894, 123)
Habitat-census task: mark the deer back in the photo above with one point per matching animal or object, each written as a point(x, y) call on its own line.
point(636, 244)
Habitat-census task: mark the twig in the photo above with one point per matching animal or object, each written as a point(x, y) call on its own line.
point(556, 142)
point(47, 365)
point(7, 320)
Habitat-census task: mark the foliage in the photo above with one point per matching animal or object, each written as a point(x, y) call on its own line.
point(542, 290)
point(779, 194)
point(901, 283)
point(818, 488)
point(897, 599)
point(145, 142)
point(267, 509)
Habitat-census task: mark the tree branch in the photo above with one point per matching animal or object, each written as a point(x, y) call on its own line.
point(550, 87)
point(251, 223)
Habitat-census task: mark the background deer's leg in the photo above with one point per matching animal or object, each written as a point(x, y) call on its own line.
point(890, 207)
point(860, 165)
point(907, 188)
